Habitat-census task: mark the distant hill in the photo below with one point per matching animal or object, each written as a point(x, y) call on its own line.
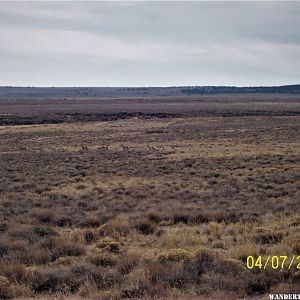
point(204, 90)
point(10, 92)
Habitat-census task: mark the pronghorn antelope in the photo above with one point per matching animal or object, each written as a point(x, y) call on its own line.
point(84, 147)
point(23, 148)
point(151, 148)
point(125, 147)
point(103, 148)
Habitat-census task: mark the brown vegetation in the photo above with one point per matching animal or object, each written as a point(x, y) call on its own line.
point(132, 222)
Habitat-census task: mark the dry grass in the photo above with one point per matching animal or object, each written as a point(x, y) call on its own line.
point(173, 216)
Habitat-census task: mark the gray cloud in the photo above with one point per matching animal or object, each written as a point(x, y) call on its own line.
point(149, 43)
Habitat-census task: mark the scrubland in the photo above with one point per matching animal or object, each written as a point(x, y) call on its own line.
point(150, 207)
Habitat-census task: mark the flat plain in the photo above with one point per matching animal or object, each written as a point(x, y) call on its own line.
point(149, 197)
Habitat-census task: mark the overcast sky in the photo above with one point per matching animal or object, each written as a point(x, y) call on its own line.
point(149, 43)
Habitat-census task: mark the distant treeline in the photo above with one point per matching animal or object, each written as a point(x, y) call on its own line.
point(202, 90)
point(30, 92)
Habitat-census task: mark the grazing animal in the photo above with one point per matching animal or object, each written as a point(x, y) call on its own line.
point(151, 148)
point(103, 148)
point(125, 148)
point(23, 148)
point(84, 147)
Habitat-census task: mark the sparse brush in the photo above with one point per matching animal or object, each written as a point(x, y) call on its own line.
point(60, 247)
point(268, 237)
point(91, 220)
point(43, 215)
point(281, 288)
point(44, 231)
point(103, 259)
point(14, 271)
point(144, 226)
point(294, 244)
point(181, 218)
point(6, 291)
point(88, 290)
point(86, 236)
point(175, 215)
point(128, 262)
point(154, 216)
point(3, 227)
point(22, 232)
point(55, 280)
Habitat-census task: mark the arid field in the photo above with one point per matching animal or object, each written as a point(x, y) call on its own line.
point(149, 198)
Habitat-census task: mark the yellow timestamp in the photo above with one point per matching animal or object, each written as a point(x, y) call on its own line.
point(274, 261)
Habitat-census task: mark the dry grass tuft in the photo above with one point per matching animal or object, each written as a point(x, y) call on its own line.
point(241, 252)
point(6, 291)
point(103, 259)
point(116, 227)
point(176, 255)
point(144, 226)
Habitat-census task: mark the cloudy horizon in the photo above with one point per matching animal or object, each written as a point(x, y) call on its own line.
point(149, 43)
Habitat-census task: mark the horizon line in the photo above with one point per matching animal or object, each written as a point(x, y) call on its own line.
point(149, 86)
